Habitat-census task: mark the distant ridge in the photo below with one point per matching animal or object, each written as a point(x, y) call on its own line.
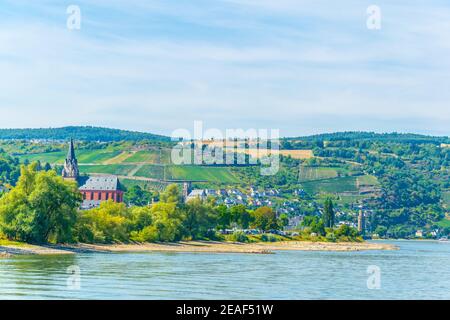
point(91, 133)
point(85, 133)
point(361, 135)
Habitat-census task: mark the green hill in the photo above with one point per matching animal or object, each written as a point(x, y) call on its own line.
point(372, 136)
point(85, 133)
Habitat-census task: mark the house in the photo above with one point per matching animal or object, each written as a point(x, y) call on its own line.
point(94, 189)
point(211, 192)
point(222, 192)
point(197, 193)
point(294, 222)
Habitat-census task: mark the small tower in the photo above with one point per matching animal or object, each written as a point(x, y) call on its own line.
point(361, 222)
point(70, 171)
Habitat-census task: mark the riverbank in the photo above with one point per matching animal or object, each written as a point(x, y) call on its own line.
point(195, 246)
point(10, 248)
point(235, 247)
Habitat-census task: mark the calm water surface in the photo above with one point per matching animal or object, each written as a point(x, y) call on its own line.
point(419, 270)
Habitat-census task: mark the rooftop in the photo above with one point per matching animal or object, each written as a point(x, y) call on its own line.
point(107, 182)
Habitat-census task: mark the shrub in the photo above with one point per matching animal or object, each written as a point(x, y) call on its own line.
point(239, 236)
point(268, 238)
point(331, 237)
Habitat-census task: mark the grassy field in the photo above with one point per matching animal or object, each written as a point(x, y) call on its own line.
point(95, 156)
point(316, 173)
point(367, 180)
point(259, 153)
point(128, 183)
point(50, 157)
point(83, 156)
point(201, 173)
point(151, 171)
point(336, 185)
point(116, 169)
point(119, 158)
point(144, 156)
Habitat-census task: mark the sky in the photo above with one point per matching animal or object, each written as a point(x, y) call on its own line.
point(302, 67)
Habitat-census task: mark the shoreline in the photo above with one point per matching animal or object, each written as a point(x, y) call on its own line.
point(194, 247)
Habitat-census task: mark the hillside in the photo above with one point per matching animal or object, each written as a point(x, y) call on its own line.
point(84, 133)
point(372, 136)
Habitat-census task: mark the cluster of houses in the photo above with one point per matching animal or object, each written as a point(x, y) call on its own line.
point(230, 197)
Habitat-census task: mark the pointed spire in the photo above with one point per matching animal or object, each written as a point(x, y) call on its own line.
point(71, 151)
point(70, 169)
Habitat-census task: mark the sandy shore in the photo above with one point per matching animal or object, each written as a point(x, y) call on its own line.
point(233, 247)
point(194, 246)
point(27, 249)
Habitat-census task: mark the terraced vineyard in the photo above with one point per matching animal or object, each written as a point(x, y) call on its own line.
point(50, 157)
point(316, 173)
point(116, 169)
point(201, 173)
point(151, 171)
point(83, 156)
point(336, 185)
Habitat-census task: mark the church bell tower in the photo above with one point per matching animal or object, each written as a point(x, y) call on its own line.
point(70, 171)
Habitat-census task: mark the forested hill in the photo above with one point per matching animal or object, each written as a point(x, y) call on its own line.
point(372, 136)
point(85, 133)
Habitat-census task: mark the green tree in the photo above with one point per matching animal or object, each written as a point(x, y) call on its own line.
point(284, 220)
point(171, 194)
point(41, 208)
point(224, 217)
point(265, 219)
point(135, 195)
point(315, 224)
point(241, 216)
point(167, 222)
point(328, 213)
point(199, 219)
point(105, 224)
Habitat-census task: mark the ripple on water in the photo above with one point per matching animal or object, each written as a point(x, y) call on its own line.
point(418, 270)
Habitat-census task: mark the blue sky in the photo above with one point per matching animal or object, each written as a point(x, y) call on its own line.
point(302, 67)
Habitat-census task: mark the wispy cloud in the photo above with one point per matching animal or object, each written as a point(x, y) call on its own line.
point(301, 66)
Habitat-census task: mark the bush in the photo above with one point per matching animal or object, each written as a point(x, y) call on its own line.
point(331, 237)
point(239, 236)
point(268, 238)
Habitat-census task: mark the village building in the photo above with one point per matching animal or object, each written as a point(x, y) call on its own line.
point(94, 189)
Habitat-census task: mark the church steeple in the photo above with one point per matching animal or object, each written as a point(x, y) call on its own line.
point(71, 152)
point(70, 170)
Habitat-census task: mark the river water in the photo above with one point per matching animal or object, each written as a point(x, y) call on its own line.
point(419, 270)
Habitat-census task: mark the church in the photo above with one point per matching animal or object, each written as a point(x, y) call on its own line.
point(95, 188)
